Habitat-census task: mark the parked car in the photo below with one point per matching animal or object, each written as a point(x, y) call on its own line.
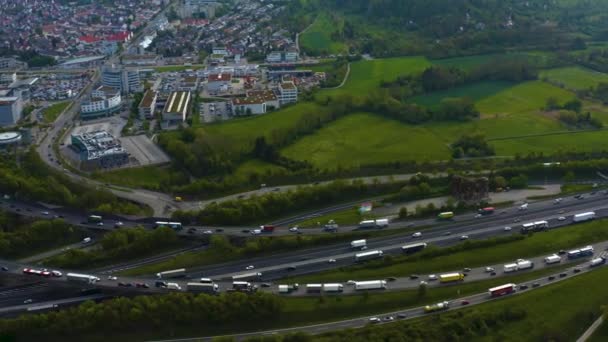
point(250, 267)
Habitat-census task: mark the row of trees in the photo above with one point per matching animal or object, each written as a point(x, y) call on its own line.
point(472, 145)
point(119, 244)
point(159, 315)
point(18, 237)
point(33, 180)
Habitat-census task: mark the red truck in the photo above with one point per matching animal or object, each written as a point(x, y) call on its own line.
point(267, 228)
point(502, 290)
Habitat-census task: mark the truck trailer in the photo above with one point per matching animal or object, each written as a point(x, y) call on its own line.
point(205, 287)
point(510, 268)
point(584, 216)
point(333, 287)
point(597, 262)
point(450, 277)
point(314, 288)
point(367, 224)
point(501, 290)
point(247, 276)
point(368, 255)
point(413, 248)
point(445, 215)
point(579, 253)
point(524, 264)
point(437, 307)
point(288, 288)
point(370, 285)
point(83, 278)
point(358, 244)
point(181, 272)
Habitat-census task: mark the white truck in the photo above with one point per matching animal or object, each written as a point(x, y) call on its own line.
point(333, 288)
point(358, 244)
point(83, 278)
point(584, 216)
point(510, 268)
point(553, 259)
point(370, 285)
point(368, 255)
point(524, 264)
point(597, 262)
point(288, 288)
point(209, 288)
point(247, 276)
point(379, 223)
point(181, 272)
point(174, 286)
point(382, 223)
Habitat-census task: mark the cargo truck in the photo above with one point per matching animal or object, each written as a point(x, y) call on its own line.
point(501, 290)
point(83, 278)
point(410, 249)
point(174, 286)
point(450, 277)
point(368, 255)
point(510, 268)
point(331, 226)
point(367, 224)
point(358, 244)
point(370, 285)
point(267, 228)
point(314, 288)
point(597, 262)
point(333, 288)
point(205, 287)
point(247, 276)
point(382, 223)
point(445, 215)
point(288, 288)
point(553, 259)
point(437, 307)
point(180, 272)
point(242, 286)
point(534, 226)
point(94, 219)
point(584, 216)
point(524, 264)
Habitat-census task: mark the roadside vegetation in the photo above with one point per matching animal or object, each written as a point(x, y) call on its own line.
point(51, 113)
point(469, 254)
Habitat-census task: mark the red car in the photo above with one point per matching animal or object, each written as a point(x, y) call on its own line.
point(464, 302)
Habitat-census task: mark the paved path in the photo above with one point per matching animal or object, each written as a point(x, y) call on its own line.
point(346, 75)
point(585, 336)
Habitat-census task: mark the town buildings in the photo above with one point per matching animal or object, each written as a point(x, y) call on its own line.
point(125, 80)
point(104, 102)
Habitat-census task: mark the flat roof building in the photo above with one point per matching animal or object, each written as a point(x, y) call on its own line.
point(176, 108)
point(11, 108)
point(98, 150)
point(104, 102)
point(147, 106)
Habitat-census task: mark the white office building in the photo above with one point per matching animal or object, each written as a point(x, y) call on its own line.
point(126, 81)
point(288, 93)
point(104, 101)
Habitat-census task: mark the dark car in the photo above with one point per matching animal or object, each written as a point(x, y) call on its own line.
point(245, 231)
point(551, 278)
point(142, 285)
point(561, 252)
point(28, 209)
point(265, 285)
point(562, 275)
point(401, 316)
point(124, 284)
point(536, 285)
point(493, 273)
point(4, 268)
point(523, 287)
point(464, 302)
point(576, 270)
point(466, 269)
point(414, 276)
point(291, 268)
point(219, 230)
point(391, 279)
point(160, 284)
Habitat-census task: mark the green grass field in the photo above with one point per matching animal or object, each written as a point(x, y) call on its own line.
point(345, 217)
point(536, 245)
point(317, 39)
point(51, 113)
point(138, 177)
point(475, 92)
point(576, 78)
point(366, 138)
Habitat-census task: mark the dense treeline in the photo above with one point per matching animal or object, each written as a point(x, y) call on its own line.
point(472, 145)
point(158, 315)
point(33, 180)
point(118, 244)
point(273, 205)
point(19, 237)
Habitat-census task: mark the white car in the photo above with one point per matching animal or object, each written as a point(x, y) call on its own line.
point(331, 261)
point(507, 229)
point(119, 224)
point(44, 212)
point(374, 320)
point(250, 267)
point(557, 200)
point(100, 223)
point(27, 301)
point(56, 274)
point(207, 232)
point(350, 282)
point(112, 277)
point(464, 237)
point(256, 232)
point(432, 277)
point(489, 269)
point(422, 282)
point(417, 235)
point(294, 229)
point(561, 218)
point(478, 216)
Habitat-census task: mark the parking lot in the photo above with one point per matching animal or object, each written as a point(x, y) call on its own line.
point(215, 111)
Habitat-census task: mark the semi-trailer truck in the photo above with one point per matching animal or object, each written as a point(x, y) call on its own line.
point(380, 223)
point(205, 287)
point(368, 255)
point(579, 253)
point(437, 307)
point(83, 278)
point(247, 276)
point(288, 288)
point(314, 288)
point(243, 286)
point(180, 272)
point(553, 259)
point(333, 287)
point(370, 285)
point(510, 268)
point(267, 228)
point(450, 277)
point(410, 249)
point(358, 244)
point(584, 216)
point(597, 262)
point(501, 290)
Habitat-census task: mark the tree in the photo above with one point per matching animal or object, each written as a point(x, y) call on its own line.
point(569, 177)
point(403, 212)
point(422, 290)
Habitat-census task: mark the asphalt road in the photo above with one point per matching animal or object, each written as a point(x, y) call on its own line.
point(359, 322)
